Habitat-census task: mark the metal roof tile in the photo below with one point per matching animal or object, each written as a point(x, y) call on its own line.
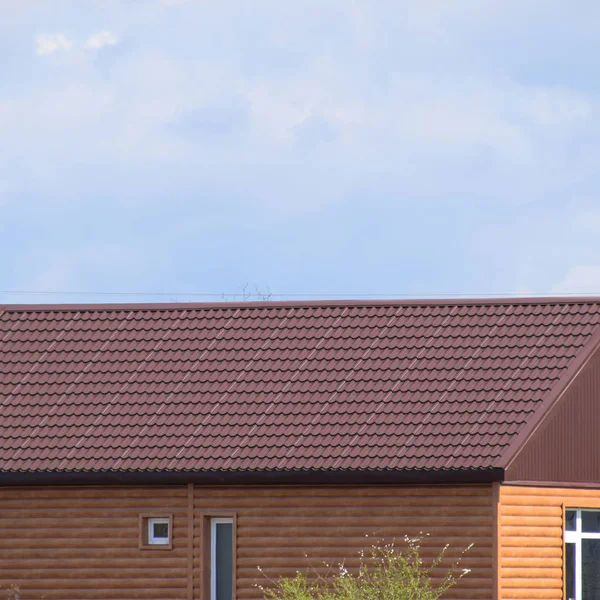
point(297, 386)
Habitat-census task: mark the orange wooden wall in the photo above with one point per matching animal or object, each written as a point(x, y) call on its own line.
point(530, 538)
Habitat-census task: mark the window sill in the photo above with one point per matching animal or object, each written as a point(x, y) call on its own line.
point(156, 546)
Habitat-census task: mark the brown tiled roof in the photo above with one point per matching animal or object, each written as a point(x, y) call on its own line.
point(280, 386)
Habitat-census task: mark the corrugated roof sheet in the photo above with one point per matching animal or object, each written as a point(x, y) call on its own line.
point(282, 386)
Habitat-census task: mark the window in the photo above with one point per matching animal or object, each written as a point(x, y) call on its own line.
point(221, 559)
point(582, 554)
point(156, 532)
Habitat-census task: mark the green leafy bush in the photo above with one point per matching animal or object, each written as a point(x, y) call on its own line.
point(389, 573)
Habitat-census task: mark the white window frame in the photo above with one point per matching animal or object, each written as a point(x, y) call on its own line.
point(213, 551)
point(158, 541)
point(575, 537)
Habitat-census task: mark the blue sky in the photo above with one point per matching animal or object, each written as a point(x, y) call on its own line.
point(322, 147)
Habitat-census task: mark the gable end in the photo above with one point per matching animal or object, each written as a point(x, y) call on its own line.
point(565, 447)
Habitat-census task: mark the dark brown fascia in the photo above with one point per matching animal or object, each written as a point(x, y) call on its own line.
point(584, 485)
point(325, 303)
point(355, 477)
point(537, 419)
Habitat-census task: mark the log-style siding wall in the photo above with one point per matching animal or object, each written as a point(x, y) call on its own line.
point(82, 543)
point(283, 529)
point(530, 538)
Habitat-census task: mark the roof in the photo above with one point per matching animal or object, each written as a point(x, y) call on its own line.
point(395, 386)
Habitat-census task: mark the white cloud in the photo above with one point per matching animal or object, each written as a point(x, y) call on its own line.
point(581, 279)
point(395, 121)
point(49, 43)
point(101, 39)
point(436, 115)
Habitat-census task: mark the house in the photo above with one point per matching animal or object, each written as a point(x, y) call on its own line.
point(167, 451)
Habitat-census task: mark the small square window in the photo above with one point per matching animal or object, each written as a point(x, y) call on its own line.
point(156, 532)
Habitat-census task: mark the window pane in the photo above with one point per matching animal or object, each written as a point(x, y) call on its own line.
point(161, 530)
point(590, 521)
point(571, 520)
point(570, 571)
point(590, 569)
point(224, 561)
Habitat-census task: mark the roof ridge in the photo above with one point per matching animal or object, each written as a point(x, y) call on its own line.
point(324, 303)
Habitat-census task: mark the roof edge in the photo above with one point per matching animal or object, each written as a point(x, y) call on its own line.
point(288, 477)
point(537, 419)
point(449, 301)
point(585, 485)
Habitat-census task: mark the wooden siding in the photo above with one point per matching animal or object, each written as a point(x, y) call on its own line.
point(283, 529)
point(531, 538)
point(82, 543)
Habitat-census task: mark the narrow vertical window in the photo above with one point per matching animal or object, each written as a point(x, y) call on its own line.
point(570, 571)
point(221, 555)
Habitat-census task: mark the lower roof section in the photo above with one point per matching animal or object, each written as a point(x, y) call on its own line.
point(291, 477)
